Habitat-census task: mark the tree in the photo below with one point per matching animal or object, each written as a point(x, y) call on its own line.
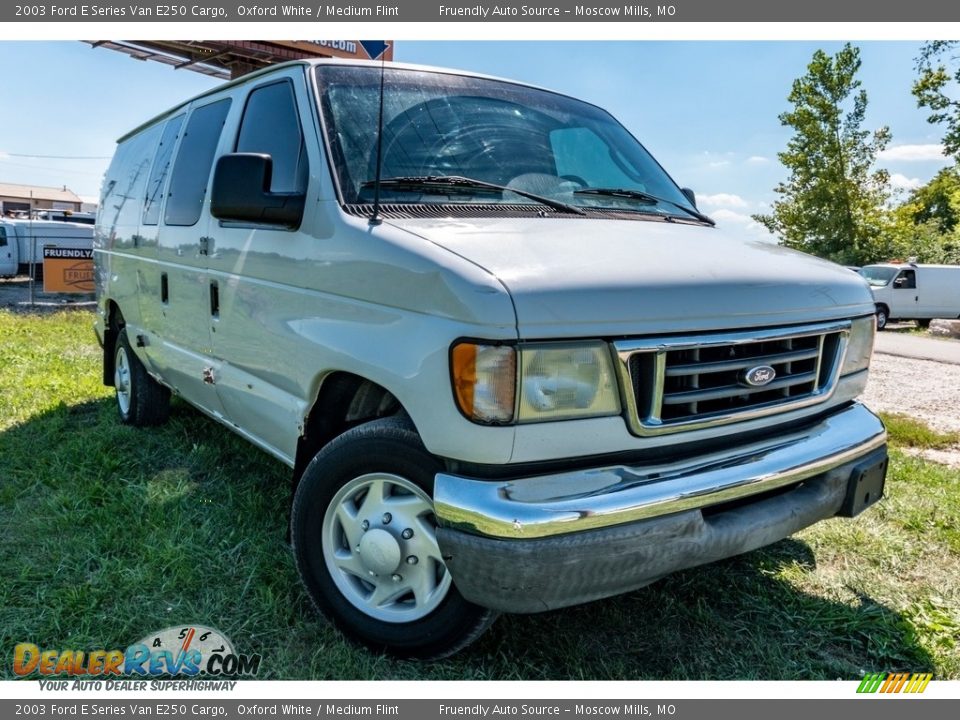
point(832, 204)
point(938, 65)
point(938, 201)
point(925, 225)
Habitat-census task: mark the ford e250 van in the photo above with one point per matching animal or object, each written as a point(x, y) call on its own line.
point(519, 371)
point(907, 291)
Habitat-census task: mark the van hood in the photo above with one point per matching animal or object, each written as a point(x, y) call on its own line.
point(597, 277)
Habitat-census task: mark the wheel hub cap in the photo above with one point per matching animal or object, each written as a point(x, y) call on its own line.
point(379, 551)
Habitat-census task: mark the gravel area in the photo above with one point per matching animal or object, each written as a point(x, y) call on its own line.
point(15, 296)
point(926, 390)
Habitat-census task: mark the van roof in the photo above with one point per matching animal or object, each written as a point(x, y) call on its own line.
point(46, 224)
point(312, 63)
point(912, 265)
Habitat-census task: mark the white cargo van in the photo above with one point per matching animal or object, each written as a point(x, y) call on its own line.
point(511, 365)
point(22, 243)
point(908, 291)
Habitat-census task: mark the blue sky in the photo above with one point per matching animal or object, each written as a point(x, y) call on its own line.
point(707, 110)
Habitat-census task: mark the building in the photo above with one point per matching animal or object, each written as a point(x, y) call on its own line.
point(24, 198)
point(227, 59)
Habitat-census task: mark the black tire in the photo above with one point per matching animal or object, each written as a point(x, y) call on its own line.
point(386, 448)
point(141, 400)
point(925, 323)
point(882, 317)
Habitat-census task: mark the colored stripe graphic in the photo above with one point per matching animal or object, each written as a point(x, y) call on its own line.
point(894, 682)
point(870, 683)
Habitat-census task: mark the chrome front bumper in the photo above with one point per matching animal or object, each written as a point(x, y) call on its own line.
point(543, 542)
point(581, 500)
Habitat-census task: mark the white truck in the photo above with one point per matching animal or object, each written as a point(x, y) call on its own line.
point(510, 364)
point(908, 291)
point(22, 243)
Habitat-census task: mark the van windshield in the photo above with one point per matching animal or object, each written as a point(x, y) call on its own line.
point(438, 125)
point(877, 275)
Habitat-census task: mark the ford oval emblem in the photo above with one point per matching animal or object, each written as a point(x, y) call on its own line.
point(759, 376)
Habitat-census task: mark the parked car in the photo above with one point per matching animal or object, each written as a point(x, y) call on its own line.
point(908, 291)
point(511, 365)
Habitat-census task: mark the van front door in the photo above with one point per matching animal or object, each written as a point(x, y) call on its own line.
point(261, 271)
point(8, 262)
point(905, 299)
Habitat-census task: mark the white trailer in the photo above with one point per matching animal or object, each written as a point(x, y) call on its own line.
point(908, 291)
point(22, 243)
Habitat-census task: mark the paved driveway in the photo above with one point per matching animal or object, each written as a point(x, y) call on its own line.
point(918, 347)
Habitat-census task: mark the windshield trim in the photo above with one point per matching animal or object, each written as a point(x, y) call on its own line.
point(316, 69)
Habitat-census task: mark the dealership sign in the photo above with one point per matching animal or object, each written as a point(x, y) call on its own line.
point(67, 270)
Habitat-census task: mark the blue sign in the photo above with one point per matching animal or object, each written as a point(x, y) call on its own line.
point(374, 48)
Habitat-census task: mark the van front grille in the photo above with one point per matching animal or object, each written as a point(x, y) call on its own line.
point(689, 382)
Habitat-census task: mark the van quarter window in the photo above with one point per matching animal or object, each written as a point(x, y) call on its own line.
point(158, 173)
point(191, 171)
point(270, 126)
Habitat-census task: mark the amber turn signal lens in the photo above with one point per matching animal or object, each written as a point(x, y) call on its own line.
point(485, 381)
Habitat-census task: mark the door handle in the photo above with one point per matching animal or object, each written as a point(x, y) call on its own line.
point(214, 299)
point(206, 245)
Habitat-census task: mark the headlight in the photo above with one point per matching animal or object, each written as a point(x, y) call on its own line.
point(566, 381)
point(557, 381)
point(859, 345)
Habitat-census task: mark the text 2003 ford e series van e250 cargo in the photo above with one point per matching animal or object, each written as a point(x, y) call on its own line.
point(521, 371)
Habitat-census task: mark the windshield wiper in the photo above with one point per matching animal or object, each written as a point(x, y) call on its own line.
point(465, 183)
point(644, 197)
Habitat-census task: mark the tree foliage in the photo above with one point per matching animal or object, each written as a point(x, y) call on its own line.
point(832, 204)
point(939, 74)
point(926, 226)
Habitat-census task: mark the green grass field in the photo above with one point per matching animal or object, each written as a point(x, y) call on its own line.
point(108, 533)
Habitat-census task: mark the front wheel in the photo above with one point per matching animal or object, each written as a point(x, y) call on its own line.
point(364, 540)
point(882, 317)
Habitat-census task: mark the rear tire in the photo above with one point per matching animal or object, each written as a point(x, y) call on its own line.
point(363, 535)
point(141, 400)
point(925, 323)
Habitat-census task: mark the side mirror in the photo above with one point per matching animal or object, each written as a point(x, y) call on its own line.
point(241, 192)
point(690, 195)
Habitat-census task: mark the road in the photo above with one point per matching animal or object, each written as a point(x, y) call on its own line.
point(918, 347)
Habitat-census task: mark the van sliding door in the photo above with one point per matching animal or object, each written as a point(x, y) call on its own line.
point(178, 292)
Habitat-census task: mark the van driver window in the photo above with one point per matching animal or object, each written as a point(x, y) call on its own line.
point(270, 125)
point(906, 281)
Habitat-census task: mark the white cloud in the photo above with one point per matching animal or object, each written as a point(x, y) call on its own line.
point(912, 153)
point(722, 200)
point(731, 216)
point(757, 160)
point(718, 163)
point(902, 182)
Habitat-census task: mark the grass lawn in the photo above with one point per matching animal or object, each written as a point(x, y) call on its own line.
point(108, 533)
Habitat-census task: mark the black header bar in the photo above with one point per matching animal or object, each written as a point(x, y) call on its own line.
point(482, 11)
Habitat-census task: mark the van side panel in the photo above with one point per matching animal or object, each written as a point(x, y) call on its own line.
point(117, 248)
